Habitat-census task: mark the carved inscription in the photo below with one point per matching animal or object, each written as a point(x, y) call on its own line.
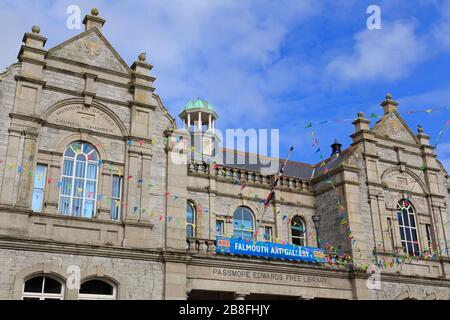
point(78, 116)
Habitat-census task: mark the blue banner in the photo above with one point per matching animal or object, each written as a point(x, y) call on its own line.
point(269, 250)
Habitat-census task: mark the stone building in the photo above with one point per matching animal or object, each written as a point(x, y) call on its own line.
point(103, 197)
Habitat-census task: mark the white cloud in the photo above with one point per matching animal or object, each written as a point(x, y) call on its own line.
point(441, 32)
point(387, 54)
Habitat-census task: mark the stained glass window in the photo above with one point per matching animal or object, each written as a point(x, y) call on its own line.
point(79, 181)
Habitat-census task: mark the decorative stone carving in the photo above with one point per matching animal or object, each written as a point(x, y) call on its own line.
point(79, 116)
point(92, 49)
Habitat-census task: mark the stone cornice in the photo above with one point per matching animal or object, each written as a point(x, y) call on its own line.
point(31, 80)
point(80, 94)
point(408, 166)
point(32, 61)
point(143, 87)
point(47, 246)
point(260, 264)
point(175, 256)
point(87, 66)
point(386, 138)
point(142, 105)
point(81, 75)
point(26, 117)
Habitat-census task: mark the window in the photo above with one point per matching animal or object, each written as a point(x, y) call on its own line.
point(220, 228)
point(97, 290)
point(116, 197)
point(42, 288)
point(243, 223)
point(190, 220)
point(79, 181)
point(298, 231)
point(428, 231)
point(408, 229)
point(267, 233)
point(38, 190)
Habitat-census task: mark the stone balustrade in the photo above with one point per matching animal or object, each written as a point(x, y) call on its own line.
point(197, 245)
point(247, 176)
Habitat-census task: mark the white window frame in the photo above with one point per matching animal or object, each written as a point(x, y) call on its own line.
point(223, 227)
point(270, 234)
point(41, 295)
point(72, 178)
point(240, 229)
point(409, 228)
point(44, 178)
point(114, 199)
point(194, 220)
point(302, 239)
point(88, 296)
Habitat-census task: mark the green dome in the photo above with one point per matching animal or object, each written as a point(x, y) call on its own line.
point(199, 104)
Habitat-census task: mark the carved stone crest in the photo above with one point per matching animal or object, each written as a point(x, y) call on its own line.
point(394, 127)
point(92, 49)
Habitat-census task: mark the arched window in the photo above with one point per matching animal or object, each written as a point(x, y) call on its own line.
point(298, 231)
point(408, 228)
point(97, 290)
point(243, 223)
point(43, 288)
point(79, 181)
point(190, 220)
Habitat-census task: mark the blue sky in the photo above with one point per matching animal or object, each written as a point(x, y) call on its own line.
point(273, 64)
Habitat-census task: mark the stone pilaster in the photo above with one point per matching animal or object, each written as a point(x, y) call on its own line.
point(176, 184)
point(51, 197)
point(130, 180)
point(9, 174)
point(26, 180)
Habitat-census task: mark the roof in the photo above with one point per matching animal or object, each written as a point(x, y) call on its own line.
point(199, 104)
point(263, 164)
point(260, 163)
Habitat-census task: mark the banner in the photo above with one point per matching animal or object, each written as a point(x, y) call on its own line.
point(269, 250)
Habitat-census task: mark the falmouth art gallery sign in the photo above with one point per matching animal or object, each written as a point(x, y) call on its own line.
point(269, 250)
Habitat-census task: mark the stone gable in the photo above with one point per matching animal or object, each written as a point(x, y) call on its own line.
point(394, 127)
point(91, 48)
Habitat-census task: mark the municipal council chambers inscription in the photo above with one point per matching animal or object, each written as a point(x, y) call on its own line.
point(89, 118)
point(287, 278)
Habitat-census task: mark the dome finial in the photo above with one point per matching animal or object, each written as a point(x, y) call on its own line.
point(36, 29)
point(95, 12)
point(419, 129)
point(142, 56)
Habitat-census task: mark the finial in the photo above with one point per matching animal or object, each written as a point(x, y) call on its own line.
point(94, 12)
point(142, 56)
point(389, 96)
point(36, 29)
point(360, 115)
point(419, 129)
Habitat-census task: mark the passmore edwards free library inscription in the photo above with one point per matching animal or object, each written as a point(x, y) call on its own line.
point(237, 274)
